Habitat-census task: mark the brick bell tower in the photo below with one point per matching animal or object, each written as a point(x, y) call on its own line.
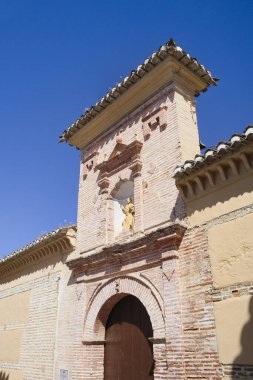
point(131, 217)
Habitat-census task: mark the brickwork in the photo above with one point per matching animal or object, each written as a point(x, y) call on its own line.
point(81, 328)
point(237, 371)
point(173, 283)
point(155, 189)
point(165, 260)
point(199, 340)
point(170, 275)
point(69, 348)
point(198, 296)
point(38, 333)
point(106, 295)
point(105, 298)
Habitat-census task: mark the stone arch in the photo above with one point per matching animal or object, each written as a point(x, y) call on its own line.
point(119, 184)
point(126, 174)
point(110, 293)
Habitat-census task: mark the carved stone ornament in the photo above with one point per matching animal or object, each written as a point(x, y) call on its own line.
point(157, 118)
point(88, 163)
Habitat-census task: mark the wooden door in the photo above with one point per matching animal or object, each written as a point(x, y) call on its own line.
point(128, 353)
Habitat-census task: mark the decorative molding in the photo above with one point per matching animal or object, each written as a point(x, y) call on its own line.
point(169, 51)
point(157, 118)
point(102, 302)
point(169, 237)
point(104, 184)
point(59, 241)
point(88, 163)
point(121, 157)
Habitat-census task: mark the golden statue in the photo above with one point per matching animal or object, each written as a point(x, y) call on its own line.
point(128, 210)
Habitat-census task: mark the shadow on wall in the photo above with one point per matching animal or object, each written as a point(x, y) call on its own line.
point(46, 266)
point(223, 195)
point(4, 376)
point(243, 364)
point(178, 212)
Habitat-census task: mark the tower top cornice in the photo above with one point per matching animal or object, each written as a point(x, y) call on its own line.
point(170, 63)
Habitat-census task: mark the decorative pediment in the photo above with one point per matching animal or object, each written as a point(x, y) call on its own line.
point(118, 149)
point(121, 157)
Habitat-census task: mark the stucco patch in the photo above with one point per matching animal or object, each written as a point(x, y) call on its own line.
point(234, 323)
point(14, 309)
point(10, 345)
point(231, 251)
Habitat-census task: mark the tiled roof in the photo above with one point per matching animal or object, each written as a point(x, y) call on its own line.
point(211, 155)
point(37, 243)
point(169, 49)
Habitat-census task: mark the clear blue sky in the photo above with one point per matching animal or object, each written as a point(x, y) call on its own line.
point(58, 57)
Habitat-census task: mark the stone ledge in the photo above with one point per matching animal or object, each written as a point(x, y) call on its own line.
point(170, 237)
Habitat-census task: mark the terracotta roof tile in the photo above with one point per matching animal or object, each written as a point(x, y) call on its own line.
point(169, 49)
point(212, 154)
point(37, 243)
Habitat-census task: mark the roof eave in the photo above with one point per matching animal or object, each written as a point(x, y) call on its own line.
point(61, 241)
point(170, 50)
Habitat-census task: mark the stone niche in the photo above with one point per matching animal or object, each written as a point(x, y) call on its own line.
point(122, 194)
point(120, 186)
point(234, 329)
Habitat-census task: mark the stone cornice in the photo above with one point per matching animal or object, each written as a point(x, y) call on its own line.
point(169, 237)
point(228, 162)
point(137, 112)
point(169, 51)
point(61, 241)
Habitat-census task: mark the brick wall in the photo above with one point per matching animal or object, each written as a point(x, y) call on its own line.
point(199, 340)
point(174, 284)
point(36, 359)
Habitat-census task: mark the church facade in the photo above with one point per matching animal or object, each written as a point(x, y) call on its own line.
point(156, 280)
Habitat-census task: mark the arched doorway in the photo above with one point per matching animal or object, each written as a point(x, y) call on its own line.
point(128, 352)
